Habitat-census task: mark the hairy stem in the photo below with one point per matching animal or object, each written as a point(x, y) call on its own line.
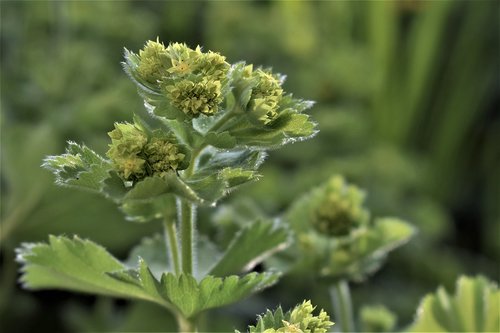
point(187, 222)
point(172, 244)
point(342, 305)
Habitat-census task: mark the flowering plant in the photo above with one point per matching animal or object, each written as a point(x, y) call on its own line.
point(208, 128)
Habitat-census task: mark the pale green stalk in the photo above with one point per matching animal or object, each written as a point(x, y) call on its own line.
point(172, 243)
point(342, 306)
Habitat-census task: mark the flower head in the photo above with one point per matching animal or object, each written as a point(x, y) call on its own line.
point(162, 156)
point(136, 156)
point(195, 98)
point(341, 209)
point(127, 142)
point(154, 62)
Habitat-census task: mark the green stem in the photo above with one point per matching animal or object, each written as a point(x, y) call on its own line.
point(172, 244)
point(187, 222)
point(186, 325)
point(342, 305)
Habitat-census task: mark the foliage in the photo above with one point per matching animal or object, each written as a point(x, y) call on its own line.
point(359, 244)
point(84, 266)
point(397, 113)
point(473, 308)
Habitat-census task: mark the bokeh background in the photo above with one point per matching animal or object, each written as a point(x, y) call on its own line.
point(407, 105)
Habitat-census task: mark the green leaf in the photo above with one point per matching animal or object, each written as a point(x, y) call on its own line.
point(252, 245)
point(288, 128)
point(79, 167)
point(473, 308)
point(114, 188)
point(222, 140)
point(152, 250)
point(191, 297)
point(83, 266)
point(212, 160)
point(78, 265)
point(185, 133)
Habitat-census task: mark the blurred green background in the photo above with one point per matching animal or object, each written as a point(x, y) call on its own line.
point(407, 99)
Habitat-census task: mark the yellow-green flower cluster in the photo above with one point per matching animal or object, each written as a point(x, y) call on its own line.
point(193, 81)
point(195, 98)
point(302, 320)
point(155, 61)
point(135, 156)
point(341, 210)
point(266, 96)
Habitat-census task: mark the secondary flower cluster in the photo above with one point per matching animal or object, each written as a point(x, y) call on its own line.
point(336, 237)
point(135, 155)
point(341, 209)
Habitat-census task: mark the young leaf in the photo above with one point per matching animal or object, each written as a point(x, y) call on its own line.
point(79, 167)
point(250, 246)
point(473, 308)
point(288, 128)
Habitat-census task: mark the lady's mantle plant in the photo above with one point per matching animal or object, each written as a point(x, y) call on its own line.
point(210, 124)
point(337, 241)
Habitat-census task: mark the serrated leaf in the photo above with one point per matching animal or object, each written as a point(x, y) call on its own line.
point(78, 265)
point(473, 308)
point(83, 266)
point(251, 246)
point(79, 167)
point(191, 297)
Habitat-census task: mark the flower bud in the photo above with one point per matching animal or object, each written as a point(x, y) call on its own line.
point(162, 156)
point(154, 62)
point(341, 209)
point(265, 98)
